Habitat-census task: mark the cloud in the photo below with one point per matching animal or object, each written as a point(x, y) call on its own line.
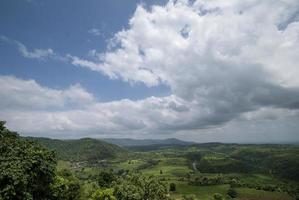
point(226, 63)
point(40, 54)
point(33, 109)
point(224, 57)
point(18, 94)
point(185, 42)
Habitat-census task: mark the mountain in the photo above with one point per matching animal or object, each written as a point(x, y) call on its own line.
point(127, 142)
point(85, 149)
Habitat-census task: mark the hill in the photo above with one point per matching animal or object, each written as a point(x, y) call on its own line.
point(128, 142)
point(85, 149)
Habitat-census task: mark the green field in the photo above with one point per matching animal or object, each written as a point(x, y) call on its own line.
point(255, 172)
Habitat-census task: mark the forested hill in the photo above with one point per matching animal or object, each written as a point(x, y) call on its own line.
point(85, 149)
point(128, 142)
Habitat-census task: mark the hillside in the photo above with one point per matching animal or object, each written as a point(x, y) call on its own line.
point(85, 149)
point(128, 142)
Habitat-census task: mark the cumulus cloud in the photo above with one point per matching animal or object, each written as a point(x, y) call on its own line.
point(222, 58)
point(223, 61)
point(21, 94)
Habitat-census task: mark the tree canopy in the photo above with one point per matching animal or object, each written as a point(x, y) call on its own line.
point(26, 168)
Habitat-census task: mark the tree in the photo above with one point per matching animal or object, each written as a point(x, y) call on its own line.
point(218, 196)
point(26, 169)
point(65, 186)
point(106, 194)
point(106, 178)
point(172, 187)
point(138, 187)
point(232, 193)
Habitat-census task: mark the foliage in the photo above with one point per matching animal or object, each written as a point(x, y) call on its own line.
point(149, 163)
point(172, 187)
point(207, 180)
point(218, 196)
point(106, 178)
point(86, 149)
point(189, 197)
point(65, 186)
point(232, 193)
point(106, 194)
point(26, 168)
point(138, 187)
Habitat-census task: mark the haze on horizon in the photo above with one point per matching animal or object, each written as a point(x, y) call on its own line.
point(200, 70)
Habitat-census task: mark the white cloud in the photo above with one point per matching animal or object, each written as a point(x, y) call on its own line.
point(184, 42)
point(34, 54)
point(223, 61)
point(28, 95)
point(224, 57)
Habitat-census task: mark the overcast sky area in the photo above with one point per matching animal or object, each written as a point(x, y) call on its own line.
point(201, 70)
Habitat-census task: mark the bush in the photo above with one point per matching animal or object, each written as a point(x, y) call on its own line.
point(106, 194)
point(172, 187)
point(232, 193)
point(218, 196)
point(189, 197)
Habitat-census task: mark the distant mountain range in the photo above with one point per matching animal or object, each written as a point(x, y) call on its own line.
point(92, 150)
point(128, 142)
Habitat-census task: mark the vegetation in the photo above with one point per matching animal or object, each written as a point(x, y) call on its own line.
point(26, 168)
point(82, 150)
point(89, 169)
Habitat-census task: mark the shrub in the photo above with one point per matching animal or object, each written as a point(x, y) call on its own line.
point(189, 197)
point(172, 187)
point(218, 196)
point(232, 193)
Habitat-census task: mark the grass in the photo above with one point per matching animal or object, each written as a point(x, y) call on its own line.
point(174, 165)
point(170, 167)
point(252, 194)
point(201, 192)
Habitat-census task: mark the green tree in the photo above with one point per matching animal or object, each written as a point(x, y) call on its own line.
point(65, 186)
point(26, 168)
point(138, 187)
point(218, 196)
point(172, 187)
point(106, 194)
point(232, 193)
point(106, 178)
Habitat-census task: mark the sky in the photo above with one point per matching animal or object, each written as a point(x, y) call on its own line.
point(197, 70)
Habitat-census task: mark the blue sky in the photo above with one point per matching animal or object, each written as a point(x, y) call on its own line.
point(66, 26)
point(200, 70)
